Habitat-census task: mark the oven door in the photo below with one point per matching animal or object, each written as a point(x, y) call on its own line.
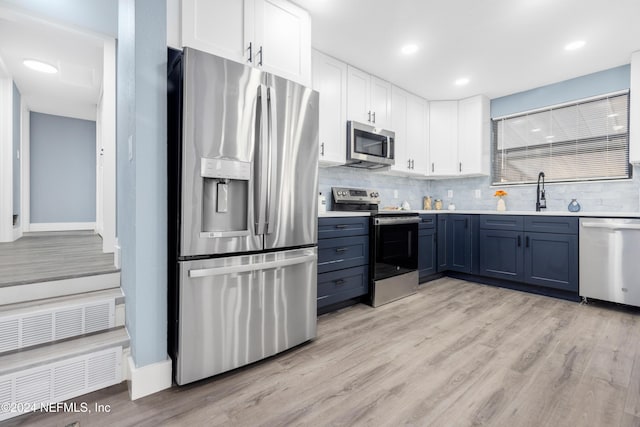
point(395, 246)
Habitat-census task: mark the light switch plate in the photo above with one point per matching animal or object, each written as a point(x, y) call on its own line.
point(478, 194)
point(130, 147)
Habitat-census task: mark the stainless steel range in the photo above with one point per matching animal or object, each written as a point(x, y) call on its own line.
point(393, 258)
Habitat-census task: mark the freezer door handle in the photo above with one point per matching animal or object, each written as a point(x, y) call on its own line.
point(261, 161)
point(611, 226)
point(232, 269)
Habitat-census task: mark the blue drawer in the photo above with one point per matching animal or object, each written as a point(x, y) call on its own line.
point(342, 227)
point(552, 224)
point(345, 252)
point(502, 222)
point(342, 285)
point(427, 221)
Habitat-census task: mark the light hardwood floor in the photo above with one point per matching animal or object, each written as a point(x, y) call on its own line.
point(454, 354)
point(39, 257)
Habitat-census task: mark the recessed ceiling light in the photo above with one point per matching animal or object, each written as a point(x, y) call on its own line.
point(550, 136)
point(535, 130)
point(612, 115)
point(575, 45)
point(409, 49)
point(462, 81)
point(43, 67)
point(618, 127)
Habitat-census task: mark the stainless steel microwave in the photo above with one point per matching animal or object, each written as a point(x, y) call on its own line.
point(369, 147)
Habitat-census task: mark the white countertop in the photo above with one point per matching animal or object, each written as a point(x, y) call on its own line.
point(542, 213)
point(339, 214)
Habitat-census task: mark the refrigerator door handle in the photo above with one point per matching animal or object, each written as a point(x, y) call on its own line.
point(261, 161)
point(234, 269)
point(273, 157)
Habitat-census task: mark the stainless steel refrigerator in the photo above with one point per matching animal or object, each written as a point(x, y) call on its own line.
point(242, 163)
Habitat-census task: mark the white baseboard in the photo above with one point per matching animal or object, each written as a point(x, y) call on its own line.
point(148, 379)
point(61, 226)
point(116, 254)
point(17, 233)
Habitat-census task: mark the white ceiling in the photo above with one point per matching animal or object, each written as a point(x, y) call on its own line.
point(502, 46)
point(74, 91)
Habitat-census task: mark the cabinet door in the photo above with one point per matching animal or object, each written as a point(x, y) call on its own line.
point(443, 138)
point(330, 80)
point(399, 126)
point(416, 147)
point(358, 90)
point(380, 103)
point(551, 260)
point(218, 27)
point(443, 239)
point(283, 32)
point(501, 254)
point(460, 243)
point(473, 136)
point(427, 255)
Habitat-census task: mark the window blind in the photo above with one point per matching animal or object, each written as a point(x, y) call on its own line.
point(582, 141)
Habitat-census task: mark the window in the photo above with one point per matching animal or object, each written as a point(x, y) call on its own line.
point(582, 141)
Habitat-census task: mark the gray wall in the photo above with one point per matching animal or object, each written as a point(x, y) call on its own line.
point(62, 169)
point(141, 179)
point(605, 196)
point(16, 150)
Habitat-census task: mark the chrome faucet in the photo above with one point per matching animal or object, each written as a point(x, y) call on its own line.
point(541, 201)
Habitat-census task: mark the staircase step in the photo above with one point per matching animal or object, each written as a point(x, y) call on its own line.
point(62, 370)
point(33, 323)
point(25, 292)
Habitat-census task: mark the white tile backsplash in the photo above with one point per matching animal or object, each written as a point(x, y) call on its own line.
point(602, 196)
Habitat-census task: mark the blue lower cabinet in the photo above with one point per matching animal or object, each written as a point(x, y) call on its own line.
point(340, 285)
point(427, 253)
point(501, 254)
point(551, 260)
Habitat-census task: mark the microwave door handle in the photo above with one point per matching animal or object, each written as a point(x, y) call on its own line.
point(272, 134)
point(260, 158)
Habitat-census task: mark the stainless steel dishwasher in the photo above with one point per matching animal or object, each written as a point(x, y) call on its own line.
point(610, 259)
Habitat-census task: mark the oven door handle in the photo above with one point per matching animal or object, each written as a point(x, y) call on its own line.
point(396, 220)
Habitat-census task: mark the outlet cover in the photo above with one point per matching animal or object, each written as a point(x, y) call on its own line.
point(449, 193)
point(395, 194)
point(478, 194)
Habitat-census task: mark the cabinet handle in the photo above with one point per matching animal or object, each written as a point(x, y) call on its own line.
point(260, 53)
point(460, 167)
point(413, 164)
point(408, 164)
point(250, 49)
point(433, 167)
point(369, 120)
point(519, 241)
point(341, 226)
point(339, 282)
point(466, 223)
point(340, 250)
point(526, 241)
point(374, 117)
point(322, 149)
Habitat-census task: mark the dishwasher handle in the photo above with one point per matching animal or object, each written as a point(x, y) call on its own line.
point(611, 226)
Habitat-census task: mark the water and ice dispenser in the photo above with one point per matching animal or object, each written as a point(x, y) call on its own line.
point(225, 197)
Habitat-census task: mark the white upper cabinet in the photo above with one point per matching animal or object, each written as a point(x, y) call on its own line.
point(409, 122)
point(218, 27)
point(273, 35)
point(417, 134)
point(443, 138)
point(283, 39)
point(330, 80)
point(459, 134)
point(474, 136)
point(368, 99)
